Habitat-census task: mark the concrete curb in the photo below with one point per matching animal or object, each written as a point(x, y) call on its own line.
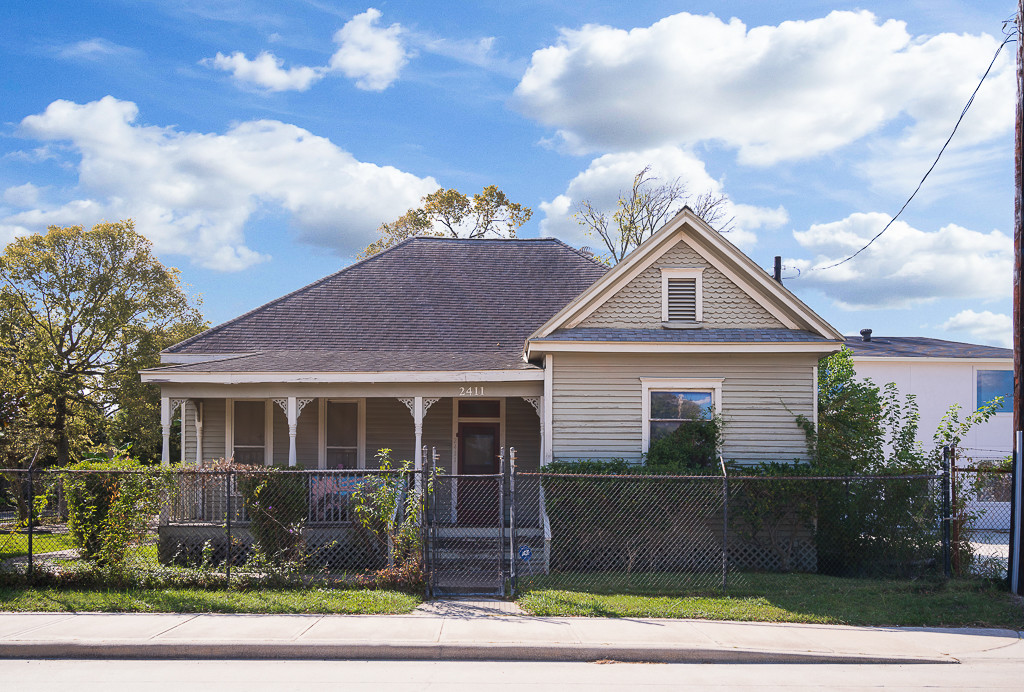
point(376, 651)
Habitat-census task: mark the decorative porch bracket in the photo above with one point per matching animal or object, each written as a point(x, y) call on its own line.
point(418, 407)
point(292, 407)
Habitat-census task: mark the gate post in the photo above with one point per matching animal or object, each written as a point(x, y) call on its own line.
point(947, 569)
point(725, 525)
point(501, 514)
point(31, 511)
point(512, 520)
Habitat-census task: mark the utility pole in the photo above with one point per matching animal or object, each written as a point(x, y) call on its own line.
point(1016, 559)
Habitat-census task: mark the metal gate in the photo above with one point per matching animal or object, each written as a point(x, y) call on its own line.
point(466, 528)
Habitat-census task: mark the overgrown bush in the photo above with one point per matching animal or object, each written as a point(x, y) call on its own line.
point(110, 504)
point(389, 508)
point(277, 506)
point(693, 447)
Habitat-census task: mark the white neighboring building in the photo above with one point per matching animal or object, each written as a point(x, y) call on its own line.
point(941, 373)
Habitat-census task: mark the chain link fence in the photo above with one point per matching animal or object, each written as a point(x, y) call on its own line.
point(497, 534)
point(209, 526)
point(981, 519)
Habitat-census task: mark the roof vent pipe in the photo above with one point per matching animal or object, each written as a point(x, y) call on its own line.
point(865, 334)
point(778, 268)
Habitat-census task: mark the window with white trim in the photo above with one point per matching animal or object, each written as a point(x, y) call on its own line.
point(669, 403)
point(341, 420)
point(682, 296)
point(250, 437)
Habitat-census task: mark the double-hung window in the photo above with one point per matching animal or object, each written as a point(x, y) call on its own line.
point(342, 423)
point(669, 403)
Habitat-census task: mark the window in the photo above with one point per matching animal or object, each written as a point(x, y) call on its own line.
point(250, 437)
point(682, 296)
point(669, 410)
point(993, 383)
point(342, 422)
point(667, 404)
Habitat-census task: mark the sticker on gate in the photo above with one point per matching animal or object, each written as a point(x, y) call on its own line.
point(525, 553)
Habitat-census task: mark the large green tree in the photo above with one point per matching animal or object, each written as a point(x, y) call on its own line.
point(82, 312)
point(451, 214)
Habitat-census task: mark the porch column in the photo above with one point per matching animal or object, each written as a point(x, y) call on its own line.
point(418, 407)
point(165, 427)
point(292, 407)
point(537, 402)
point(199, 432)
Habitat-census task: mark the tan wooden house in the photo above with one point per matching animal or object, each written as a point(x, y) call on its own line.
point(468, 346)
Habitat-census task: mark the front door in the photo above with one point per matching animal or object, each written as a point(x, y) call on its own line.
point(478, 456)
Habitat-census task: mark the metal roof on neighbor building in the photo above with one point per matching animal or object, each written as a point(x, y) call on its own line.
point(921, 347)
point(422, 304)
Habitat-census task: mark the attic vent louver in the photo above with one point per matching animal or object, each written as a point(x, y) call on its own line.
point(682, 299)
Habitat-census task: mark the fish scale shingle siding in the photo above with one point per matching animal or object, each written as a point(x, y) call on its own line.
point(638, 304)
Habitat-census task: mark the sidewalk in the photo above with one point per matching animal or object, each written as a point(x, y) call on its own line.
point(463, 630)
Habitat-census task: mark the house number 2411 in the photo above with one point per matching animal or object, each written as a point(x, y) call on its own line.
point(471, 391)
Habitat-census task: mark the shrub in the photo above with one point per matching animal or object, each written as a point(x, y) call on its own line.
point(110, 503)
point(692, 447)
point(277, 505)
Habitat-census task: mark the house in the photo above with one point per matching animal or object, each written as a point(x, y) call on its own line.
point(469, 346)
point(942, 373)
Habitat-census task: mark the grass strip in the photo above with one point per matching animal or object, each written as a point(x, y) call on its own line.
point(807, 598)
point(276, 601)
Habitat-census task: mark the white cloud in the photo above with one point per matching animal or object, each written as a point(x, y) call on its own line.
point(192, 192)
point(26, 195)
point(905, 266)
point(987, 327)
point(93, 49)
point(609, 176)
point(774, 93)
point(266, 71)
point(369, 54)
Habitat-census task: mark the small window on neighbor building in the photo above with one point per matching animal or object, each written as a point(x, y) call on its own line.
point(681, 295)
point(993, 383)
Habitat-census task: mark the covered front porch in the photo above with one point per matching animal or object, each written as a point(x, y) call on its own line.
point(345, 425)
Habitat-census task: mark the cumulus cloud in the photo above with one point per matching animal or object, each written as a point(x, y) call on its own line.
point(987, 326)
point(370, 54)
point(905, 266)
point(192, 193)
point(26, 195)
point(609, 176)
point(266, 71)
point(773, 93)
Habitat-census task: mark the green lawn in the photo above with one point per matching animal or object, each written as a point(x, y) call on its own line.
point(16, 544)
point(807, 598)
point(311, 600)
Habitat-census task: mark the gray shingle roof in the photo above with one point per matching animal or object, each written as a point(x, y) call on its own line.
point(683, 335)
point(423, 303)
point(921, 347)
point(295, 360)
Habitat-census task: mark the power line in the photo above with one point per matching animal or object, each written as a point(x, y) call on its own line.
point(1009, 37)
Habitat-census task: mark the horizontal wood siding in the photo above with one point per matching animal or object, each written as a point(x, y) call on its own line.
point(307, 441)
point(280, 434)
point(213, 428)
point(188, 422)
point(522, 431)
point(437, 432)
point(389, 425)
point(597, 407)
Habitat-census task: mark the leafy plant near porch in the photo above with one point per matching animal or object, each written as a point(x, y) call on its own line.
point(110, 503)
point(389, 509)
point(277, 505)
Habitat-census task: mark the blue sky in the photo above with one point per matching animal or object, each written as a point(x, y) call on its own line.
point(259, 144)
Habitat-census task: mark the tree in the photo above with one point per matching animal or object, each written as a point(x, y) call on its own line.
point(451, 214)
point(645, 209)
point(85, 309)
